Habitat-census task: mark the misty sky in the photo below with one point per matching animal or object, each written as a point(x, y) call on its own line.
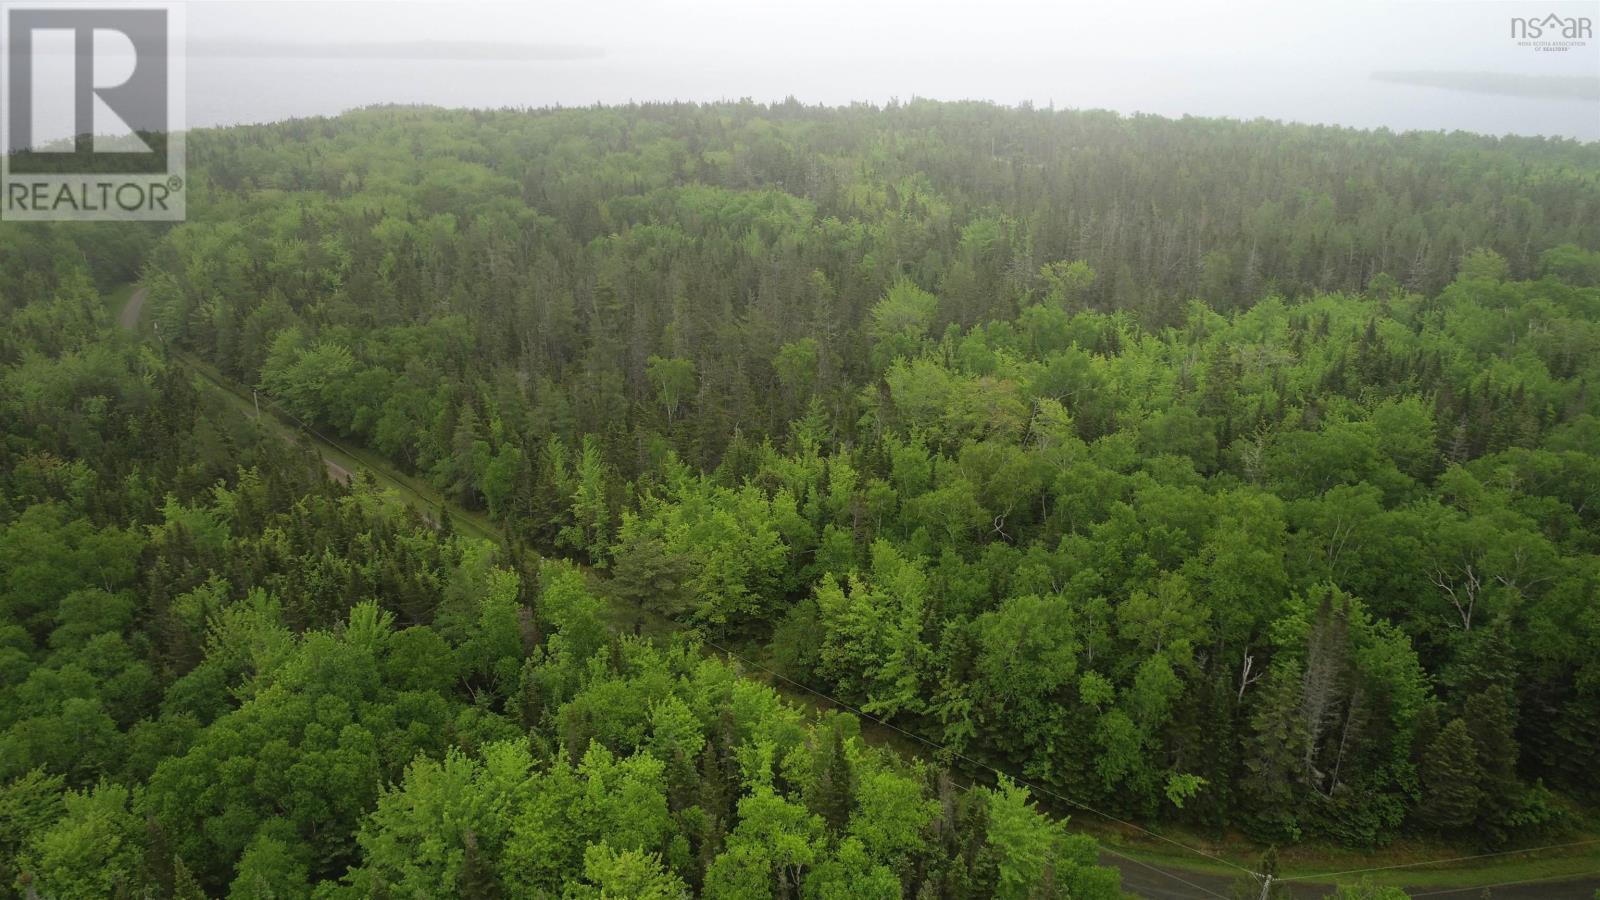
point(1302, 60)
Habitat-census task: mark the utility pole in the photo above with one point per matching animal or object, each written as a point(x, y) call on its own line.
point(1266, 886)
point(257, 399)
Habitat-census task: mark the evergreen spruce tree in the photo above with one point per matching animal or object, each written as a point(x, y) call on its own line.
point(836, 785)
point(159, 869)
point(1274, 755)
point(477, 880)
point(1451, 778)
point(1491, 723)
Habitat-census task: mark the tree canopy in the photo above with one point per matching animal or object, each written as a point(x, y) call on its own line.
point(1237, 476)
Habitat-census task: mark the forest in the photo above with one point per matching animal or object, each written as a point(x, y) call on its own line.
point(1234, 478)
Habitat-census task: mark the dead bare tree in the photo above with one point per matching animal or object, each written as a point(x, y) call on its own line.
point(1323, 685)
point(1462, 594)
point(1245, 678)
point(1355, 716)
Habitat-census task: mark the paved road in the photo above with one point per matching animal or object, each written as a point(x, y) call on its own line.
point(1166, 883)
point(1142, 879)
point(1559, 889)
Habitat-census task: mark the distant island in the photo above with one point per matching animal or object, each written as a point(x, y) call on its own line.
point(1554, 87)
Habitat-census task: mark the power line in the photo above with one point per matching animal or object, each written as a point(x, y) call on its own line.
point(1163, 872)
point(1038, 788)
point(1482, 887)
point(837, 702)
point(983, 765)
point(1198, 852)
point(1110, 850)
point(1438, 862)
point(273, 402)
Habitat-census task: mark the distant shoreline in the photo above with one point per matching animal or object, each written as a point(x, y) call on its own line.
point(395, 50)
point(1545, 87)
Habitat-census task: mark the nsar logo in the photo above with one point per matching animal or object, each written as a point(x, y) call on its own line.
point(1552, 32)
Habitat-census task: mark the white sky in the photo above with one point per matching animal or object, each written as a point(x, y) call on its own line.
point(1308, 32)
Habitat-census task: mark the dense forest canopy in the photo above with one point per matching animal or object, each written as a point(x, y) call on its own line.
point(1231, 475)
point(226, 676)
